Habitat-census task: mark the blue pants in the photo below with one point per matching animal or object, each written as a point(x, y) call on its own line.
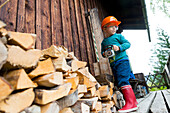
point(121, 71)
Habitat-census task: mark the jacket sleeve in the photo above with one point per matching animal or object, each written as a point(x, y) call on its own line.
point(102, 50)
point(124, 44)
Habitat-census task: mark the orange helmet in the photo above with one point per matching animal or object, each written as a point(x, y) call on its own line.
point(110, 19)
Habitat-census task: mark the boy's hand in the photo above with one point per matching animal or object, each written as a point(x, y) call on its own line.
point(116, 48)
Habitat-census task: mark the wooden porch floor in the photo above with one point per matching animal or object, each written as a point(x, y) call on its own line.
point(155, 102)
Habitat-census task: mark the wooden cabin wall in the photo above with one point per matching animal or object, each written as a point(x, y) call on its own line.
point(58, 22)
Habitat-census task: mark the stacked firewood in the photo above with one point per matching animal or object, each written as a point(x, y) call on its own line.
point(52, 80)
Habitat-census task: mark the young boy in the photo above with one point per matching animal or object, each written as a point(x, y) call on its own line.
point(119, 61)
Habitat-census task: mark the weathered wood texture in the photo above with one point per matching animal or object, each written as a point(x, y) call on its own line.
point(155, 102)
point(58, 22)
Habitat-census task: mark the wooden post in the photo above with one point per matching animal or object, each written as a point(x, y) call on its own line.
point(98, 36)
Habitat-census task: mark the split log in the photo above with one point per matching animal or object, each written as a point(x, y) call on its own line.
point(17, 57)
point(74, 81)
point(2, 24)
point(60, 64)
point(80, 95)
point(32, 109)
point(68, 100)
point(19, 79)
point(66, 110)
point(52, 107)
point(91, 102)
point(86, 81)
point(44, 67)
point(50, 80)
point(3, 32)
point(77, 64)
point(71, 56)
point(115, 99)
point(69, 74)
point(45, 96)
point(5, 88)
point(3, 54)
point(104, 91)
point(91, 92)
point(17, 102)
point(82, 88)
point(109, 95)
point(98, 107)
point(106, 108)
point(55, 51)
point(24, 40)
point(85, 72)
point(80, 107)
point(104, 79)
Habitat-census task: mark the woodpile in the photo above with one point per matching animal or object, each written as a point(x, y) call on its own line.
point(52, 80)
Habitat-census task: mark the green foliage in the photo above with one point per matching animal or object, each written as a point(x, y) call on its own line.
point(156, 89)
point(160, 52)
point(162, 5)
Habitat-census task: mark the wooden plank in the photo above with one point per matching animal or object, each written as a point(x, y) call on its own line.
point(56, 27)
point(30, 16)
point(9, 14)
point(88, 47)
point(167, 97)
point(74, 30)
point(67, 33)
point(45, 24)
point(104, 64)
point(141, 99)
point(146, 103)
point(80, 31)
point(38, 24)
point(158, 105)
point(21, 16)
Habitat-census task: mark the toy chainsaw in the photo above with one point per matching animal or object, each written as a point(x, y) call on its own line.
point(109, 51)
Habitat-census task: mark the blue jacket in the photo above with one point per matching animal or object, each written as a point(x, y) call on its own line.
point(119, 40)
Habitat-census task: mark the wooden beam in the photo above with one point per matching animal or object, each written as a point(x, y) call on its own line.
point(21, 16)
point(38, 24)
point(74, 30)
point(45, 24)
point(98, 35)
point(30, 16)
point(82, 46)
point(67, 32)
point(87, 40)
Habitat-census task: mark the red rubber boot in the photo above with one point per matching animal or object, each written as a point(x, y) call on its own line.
point(130, 99)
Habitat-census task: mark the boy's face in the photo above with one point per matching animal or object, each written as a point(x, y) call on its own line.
point(110, 29)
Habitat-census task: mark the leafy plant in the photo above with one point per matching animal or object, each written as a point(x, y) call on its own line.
point(162, 5)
